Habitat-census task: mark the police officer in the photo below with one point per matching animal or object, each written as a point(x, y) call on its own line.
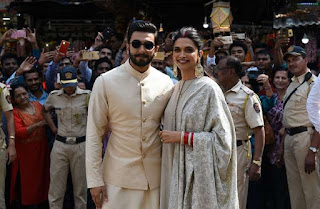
point(246, 112)
point(8, 155)
point(300, 146)
point(70, 104)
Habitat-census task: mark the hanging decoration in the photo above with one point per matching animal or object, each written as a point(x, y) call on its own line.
point(221, 17)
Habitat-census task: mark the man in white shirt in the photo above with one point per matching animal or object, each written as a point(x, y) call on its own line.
point(129, 101)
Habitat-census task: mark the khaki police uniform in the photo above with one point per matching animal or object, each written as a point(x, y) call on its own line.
point(246, 111)
point(5, 105)
point(69, 148)
point(304, 189)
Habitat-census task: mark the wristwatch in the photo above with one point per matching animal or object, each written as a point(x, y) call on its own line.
point(313, 149)
point(257, 162)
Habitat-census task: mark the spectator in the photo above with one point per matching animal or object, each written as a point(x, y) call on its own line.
point(33, 80)
point(274, 180)
point(28, 187)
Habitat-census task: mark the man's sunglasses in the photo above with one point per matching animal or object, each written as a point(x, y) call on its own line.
point(148, 44)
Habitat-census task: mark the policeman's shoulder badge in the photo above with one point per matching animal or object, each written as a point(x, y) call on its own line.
point(8, 98)
point(256, 107)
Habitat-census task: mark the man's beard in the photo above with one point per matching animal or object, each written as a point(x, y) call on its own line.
point(140, 63)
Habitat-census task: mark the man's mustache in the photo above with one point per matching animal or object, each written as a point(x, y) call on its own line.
point(141, 55)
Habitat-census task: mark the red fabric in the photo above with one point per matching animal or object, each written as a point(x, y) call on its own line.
point(32, 159)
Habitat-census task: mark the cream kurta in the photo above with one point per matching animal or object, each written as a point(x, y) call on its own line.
point(131, 104)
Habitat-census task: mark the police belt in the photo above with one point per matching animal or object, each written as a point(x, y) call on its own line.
point(70, 140)
point(240, 142)
point(296, 130)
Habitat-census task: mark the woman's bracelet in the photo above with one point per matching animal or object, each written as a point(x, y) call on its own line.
point(187, 139)
point(181, 137)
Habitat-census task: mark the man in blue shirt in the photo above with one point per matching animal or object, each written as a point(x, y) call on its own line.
point(33, 80)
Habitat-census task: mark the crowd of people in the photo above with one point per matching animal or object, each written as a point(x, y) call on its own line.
point(159, 121)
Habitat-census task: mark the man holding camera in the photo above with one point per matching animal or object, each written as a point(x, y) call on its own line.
point(301, 141)
point(246, 112)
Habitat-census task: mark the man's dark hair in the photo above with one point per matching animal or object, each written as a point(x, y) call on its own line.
point(142, 26)
point(190, 33)
point(102, 60)
point(104, 46)
point(33, 70)
point(265, 52)
point(8, 56)
point(261, 45)
point(233, 62)
point(240, 44)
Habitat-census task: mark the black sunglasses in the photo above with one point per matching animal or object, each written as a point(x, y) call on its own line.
point(148, 44)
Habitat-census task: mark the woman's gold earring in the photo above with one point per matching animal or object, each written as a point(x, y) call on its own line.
point(199, 70)
point(175, 70)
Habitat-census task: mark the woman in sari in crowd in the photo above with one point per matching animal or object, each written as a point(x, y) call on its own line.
point(199, 144)
point(30, 171)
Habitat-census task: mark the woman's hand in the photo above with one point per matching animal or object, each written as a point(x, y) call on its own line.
point(170, 136)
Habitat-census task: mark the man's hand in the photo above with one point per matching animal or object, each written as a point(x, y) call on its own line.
point(27, 64)
point(57, 56)
point(264, 80)
point(98, 41)
point(279, 158)
point(6, 37)
point(99, 195)
point(248, 42)
point(281, 41)
point(170, 136)
point(254, 172)
point(217, 42)
point(31, 36)
point(11, 154)
point(45, 57)
point(78, 59)
point(310, 162)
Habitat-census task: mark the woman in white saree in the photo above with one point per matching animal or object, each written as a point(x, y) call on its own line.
point(199, 145)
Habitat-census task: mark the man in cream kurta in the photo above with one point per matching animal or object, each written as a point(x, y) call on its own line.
point(131, 104)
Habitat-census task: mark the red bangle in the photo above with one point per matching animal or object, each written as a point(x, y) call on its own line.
point(185, 138)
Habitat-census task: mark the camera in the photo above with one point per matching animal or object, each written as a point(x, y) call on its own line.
point(253, 75)
point(107, 34)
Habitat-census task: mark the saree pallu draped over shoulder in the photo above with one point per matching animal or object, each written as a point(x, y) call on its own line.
point(203, 176)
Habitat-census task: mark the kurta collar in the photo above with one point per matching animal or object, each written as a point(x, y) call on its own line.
point(300, 78)
point(236, 87)
point(139, 76)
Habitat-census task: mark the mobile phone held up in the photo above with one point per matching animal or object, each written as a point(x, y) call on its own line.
point(107, 33)
point(93, 55)
point(64, 45)
point(19, 34)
